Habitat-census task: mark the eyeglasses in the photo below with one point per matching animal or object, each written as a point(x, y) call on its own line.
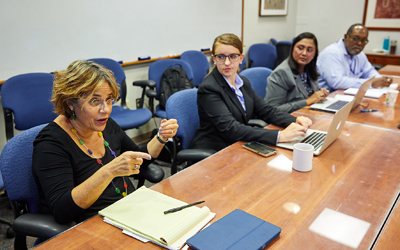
point(222, 58)
point(96, 102)
point(357, 40)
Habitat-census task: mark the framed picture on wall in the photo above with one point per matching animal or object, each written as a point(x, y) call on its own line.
point(382, 15)
point(273, 7)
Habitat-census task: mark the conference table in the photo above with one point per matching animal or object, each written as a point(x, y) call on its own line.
point(390, 70)
point(387, 117)
point(353, 186)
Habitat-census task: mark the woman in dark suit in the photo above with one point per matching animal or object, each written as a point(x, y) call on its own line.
point(226, 102)
point(294, 83)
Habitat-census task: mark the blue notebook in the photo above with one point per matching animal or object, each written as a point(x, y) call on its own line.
point(237, 230)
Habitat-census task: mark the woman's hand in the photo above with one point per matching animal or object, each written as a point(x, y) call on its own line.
point(304, 121)
point(127, 163)
point(295, 129)
point(168, 129)
point(318, 96)
point(291, 132)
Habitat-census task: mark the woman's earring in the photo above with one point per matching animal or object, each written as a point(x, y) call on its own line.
point(73, 115)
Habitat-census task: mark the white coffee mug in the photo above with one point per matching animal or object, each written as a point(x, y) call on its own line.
point(303, 154)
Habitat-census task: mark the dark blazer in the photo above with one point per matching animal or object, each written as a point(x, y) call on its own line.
point(223, 120)
point(285, 90)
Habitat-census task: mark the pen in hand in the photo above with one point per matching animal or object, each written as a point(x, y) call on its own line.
point(368, 110)
point(172, 210)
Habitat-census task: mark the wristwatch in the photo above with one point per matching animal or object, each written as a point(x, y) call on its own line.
point(160, 140)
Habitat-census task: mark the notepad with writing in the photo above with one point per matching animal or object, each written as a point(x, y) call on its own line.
point(237, 230)
point(142, 213)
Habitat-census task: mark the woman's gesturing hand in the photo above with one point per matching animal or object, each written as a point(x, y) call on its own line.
point(127, 163)
point(168, 129)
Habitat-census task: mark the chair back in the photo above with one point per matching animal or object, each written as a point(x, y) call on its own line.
point(262, 55)
point(16, 168)
point(118, 72)
point(199, 64)
point(258, 79)
point(27, 98)
point(121, 114)
point(273, 41)
point(282, 51)
point(182, 106)
point(157, 69)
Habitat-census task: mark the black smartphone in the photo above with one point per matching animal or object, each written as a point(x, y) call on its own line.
point(260, 148)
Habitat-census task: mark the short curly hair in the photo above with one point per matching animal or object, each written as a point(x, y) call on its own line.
point(79, 78)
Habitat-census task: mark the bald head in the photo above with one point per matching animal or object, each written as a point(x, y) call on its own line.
point(355, 39)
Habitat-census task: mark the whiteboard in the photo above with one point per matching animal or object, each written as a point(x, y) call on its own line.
point(47, 35)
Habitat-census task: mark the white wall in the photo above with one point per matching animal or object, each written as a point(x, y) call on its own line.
point(260, 29)
point(329, 21)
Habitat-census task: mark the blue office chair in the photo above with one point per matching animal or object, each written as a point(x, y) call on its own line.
point(258, 79)
point(262, 55)
point(282, 51)
point(122, 115)
point(26, 101)
point(199, 64)
point(182, 106)
point(156, 71)
point(16, 168)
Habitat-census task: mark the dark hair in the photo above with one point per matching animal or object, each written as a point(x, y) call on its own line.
point(351, 28)
point(311, 67)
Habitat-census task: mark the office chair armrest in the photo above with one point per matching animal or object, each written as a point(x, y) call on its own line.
point(145, 83)
point(150, 93)
point(39, 225)
point(257, 123)
point(152, 173)
point(377, 66)
point(194, 154)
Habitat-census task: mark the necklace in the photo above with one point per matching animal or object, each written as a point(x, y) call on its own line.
point(82, 142)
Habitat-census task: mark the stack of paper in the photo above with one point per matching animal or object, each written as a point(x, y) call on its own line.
point(142, 213)
point(372, 92)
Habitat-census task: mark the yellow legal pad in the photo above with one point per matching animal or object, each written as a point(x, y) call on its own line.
point(142, 213)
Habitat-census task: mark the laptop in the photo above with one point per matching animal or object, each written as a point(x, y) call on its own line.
point(332, 105)
point(321, 139)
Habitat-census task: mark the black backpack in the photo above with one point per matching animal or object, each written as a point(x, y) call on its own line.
point(173, 79)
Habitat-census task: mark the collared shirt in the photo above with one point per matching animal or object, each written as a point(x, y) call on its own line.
point(239, 94)
point(338, 70)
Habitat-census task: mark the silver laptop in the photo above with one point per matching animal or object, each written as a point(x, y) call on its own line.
point(321, 139)
point(332, 105)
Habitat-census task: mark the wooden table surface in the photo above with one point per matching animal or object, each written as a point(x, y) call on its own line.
point(357, 175)
point(386, 117)
point(390, 70)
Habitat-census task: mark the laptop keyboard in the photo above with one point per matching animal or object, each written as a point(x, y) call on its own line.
point(337, 105)
point(316, 139)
